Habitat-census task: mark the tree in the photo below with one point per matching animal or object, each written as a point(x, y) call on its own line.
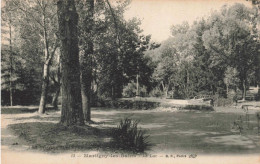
point(231, 78)
point(111, 68)
point(39, 17)
point(55, 76)
point(102, 49)
point(47, 54)
point(166, 69)
point(231, 41)
point(256, 20)
point(87, 51)
point(194, 60)
point(71, 113)
point(208, 76)
point(175, 70)
point(7, 22)
point(119, 50)
point(22, 59)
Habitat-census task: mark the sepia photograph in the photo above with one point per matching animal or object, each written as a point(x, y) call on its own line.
point(130, 81)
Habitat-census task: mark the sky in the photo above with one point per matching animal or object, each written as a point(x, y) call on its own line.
point(159, 15)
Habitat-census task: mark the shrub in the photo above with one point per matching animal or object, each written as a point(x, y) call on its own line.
point(128, 137)
point(156, 92)
point(130, 90)
point(130, 104)
point(220, 101)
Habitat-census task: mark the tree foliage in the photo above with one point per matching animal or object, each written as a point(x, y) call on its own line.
point(118, 49)
point(197, 59)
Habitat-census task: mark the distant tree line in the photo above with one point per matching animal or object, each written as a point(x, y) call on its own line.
point(211, 56)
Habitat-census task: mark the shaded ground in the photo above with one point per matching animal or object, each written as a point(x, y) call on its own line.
point(55, 138)
point(22, 109)
point(36, 132)
point(170, 131)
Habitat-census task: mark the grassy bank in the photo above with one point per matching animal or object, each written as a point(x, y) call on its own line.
point(148, 104)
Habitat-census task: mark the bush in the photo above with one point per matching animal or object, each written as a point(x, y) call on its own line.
point(156, 92)
point(130, 104)
point(220, 101)
point(128, 137)
point(130, 90)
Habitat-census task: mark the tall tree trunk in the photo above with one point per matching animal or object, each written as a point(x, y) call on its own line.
point(165, 89)
point(86, 65)
point(86, 101)
point(86, 78)
point(258, 75)
point(227, 89)
point(188, 76)
point(57, 84)
point(45, 84)
point(11, 64)
point(244, 90)
point(46, 69)
point(163, 85)
point(55, 98)
point(113, 93)
point(137, 85)
point(166, 92)
point(116, 88)
point(71, 112)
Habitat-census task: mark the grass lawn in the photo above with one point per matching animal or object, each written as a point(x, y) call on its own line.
point(170, 132)
point(193, 132)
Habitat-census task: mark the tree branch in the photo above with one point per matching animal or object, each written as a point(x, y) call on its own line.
point(115, 23)
point(219, 52)
point(52, 53)
point(28, 14)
